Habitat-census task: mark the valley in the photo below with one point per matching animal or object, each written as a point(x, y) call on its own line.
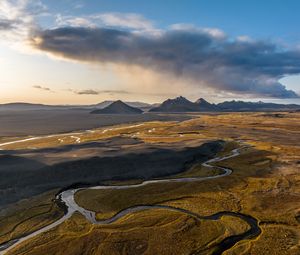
point(264, 178)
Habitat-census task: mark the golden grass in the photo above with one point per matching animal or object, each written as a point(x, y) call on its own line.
point(265, 184)
point(28, 216)
point(109, 201)
point(132, 130)
point(145, 232)
point(275, 239)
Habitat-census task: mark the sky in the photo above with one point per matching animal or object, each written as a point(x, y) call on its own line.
point(82, 52)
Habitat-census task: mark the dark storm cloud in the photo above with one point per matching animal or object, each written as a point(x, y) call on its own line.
point(248, 67)
point(6, 24)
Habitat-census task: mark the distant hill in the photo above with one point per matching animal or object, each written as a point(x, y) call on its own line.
point(179, 104)
point(118, 107)
point(242, 106)
point(28, 106)
point(139, 104)
point(20, 106)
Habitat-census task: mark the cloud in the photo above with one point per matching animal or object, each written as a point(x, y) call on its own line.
point(204, 56)
point(129, 20)
point(110, 19)
point(72, 21)
point(87, 92)
point(42, 88)
point(98, 92)
point(6, 24)
point(18, 19)
point(213, 32)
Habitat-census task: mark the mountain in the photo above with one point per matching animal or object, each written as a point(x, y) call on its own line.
point(241, 106)
point(205, 106)
point(132, 104)
point(179, 104)
point(27, 106)
point(118, 107)
point(138, 104)
point(102, 104)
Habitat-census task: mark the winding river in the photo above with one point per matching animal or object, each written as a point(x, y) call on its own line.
point(67, 197)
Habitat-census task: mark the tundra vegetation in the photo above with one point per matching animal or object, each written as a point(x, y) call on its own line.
point(265, 184)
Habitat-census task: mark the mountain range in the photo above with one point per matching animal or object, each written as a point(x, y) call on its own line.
point(179, 104)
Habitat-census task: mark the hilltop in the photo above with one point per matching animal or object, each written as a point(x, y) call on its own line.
point(118, 107)
point(179, 104)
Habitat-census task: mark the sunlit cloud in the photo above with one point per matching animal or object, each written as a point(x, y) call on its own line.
point(180, 56)
point(132, 21)
point(203, 56)
point(18, 20)
point(63, 20)
point(129, 20)
point(17, 17)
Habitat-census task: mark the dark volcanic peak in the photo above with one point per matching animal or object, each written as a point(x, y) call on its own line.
point(179, 99)
point(179, 104)
point(205, 106)
point(103, 104)
point(132, 104)
point(118, 107)
point(201, 101)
